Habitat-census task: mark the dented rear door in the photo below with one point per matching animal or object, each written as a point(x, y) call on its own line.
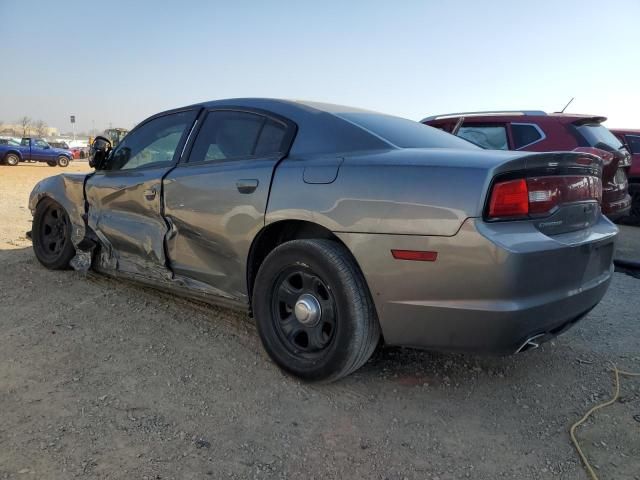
point(215, 200)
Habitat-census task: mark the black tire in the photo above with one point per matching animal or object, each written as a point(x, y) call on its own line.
point(634, 214)
point(633, 218)
point(51, 234)
point(63, 161)
point(52, 163)
point(12, 159)
point(347, 329)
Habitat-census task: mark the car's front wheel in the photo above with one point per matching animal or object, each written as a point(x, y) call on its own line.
point(63, 161)
point(12, 159)
point(313, 310)
point(51, 234)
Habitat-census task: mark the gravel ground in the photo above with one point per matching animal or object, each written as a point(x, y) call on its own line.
point(103, 379)
point(628, 247)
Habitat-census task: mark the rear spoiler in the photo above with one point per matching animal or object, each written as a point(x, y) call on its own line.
point(588, 120)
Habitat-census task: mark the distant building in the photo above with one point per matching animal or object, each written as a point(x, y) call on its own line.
point(15, 130)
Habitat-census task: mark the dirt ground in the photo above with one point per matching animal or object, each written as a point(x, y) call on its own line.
point(104, 379)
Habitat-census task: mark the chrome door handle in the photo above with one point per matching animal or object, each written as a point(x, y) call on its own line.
point(150, 194)
point(247, 185)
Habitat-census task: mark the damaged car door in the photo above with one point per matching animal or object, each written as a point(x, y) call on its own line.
point(125, 197)
point(216, 198)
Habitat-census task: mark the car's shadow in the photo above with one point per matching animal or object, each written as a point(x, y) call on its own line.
point(400, 367)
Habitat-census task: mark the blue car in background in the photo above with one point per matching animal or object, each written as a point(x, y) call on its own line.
point(35, 150)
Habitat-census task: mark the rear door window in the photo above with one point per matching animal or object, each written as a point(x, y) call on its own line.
point(229, 135)
point(525, 134)
point(634, 143)
point(491, 137)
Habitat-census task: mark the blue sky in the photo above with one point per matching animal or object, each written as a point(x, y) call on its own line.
point(120, 61)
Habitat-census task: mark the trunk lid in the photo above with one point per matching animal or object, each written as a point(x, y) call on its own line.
point(559, 192)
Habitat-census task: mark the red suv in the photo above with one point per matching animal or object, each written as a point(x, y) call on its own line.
point(538, 131)
point(631, 139)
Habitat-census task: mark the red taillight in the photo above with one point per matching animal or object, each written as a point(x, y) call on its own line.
point(509, 199)
point(538, 196)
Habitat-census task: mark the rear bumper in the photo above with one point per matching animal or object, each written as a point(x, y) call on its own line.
point(616, 201)
point(491, 288)
point(617, 209)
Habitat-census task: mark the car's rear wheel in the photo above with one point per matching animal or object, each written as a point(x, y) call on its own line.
point(313, 310)
point(51, 234)
point(63, 161)
point(12, 159)
point(52, 163)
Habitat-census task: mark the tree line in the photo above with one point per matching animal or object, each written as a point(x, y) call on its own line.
point(27, 127)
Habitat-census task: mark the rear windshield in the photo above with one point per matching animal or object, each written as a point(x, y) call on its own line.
point(599, 136)
point(405, 133)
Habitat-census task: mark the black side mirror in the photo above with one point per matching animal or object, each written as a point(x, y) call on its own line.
point(99, 153)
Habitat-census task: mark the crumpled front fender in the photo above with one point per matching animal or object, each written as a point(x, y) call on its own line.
point(68, 190)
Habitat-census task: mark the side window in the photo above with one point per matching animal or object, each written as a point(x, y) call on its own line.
point(492, 137)
point(271, 139)
point(152, 144)
point(226, 135)
point(634, 143)
point(41, 144)
point(525, 134)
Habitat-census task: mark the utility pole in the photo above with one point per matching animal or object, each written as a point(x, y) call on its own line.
point(73, 124)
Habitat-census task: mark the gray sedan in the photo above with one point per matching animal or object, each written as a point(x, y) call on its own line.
point(338, 228)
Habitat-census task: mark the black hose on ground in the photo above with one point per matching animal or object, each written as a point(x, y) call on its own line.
point(630, 267)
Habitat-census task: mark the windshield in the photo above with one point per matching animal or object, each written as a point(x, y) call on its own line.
point(599, 136)
point(405, 133)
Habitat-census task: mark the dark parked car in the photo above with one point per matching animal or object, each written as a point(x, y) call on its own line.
point(631, 138)
point(62, 145)
point(538, 131)
point(35, 150)
point(337, 227)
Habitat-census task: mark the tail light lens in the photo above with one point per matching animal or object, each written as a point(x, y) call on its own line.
point(539, 196)
point(509, 199)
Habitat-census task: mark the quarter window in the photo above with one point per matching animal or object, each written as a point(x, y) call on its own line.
point(153, 144)
point(227, 135)
point(491, 137)
point(271, 139)
point(524, 134)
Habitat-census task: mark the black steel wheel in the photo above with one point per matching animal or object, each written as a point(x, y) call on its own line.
point(304, 310)
point(51, 234)
point(313, 310)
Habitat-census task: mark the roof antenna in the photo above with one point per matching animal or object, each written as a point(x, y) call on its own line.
point(565, 107)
